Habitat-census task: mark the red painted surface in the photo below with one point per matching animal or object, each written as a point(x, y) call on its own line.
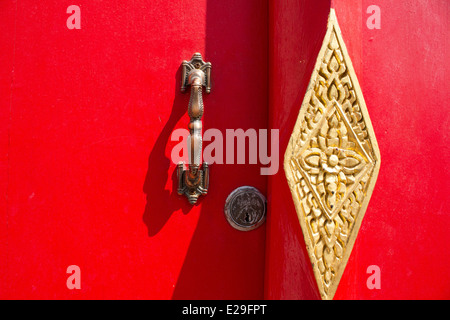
point(85, 171)
point(85, 149)
point(402, 70)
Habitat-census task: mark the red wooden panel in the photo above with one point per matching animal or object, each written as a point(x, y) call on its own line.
point(402, 71)
point(296, 32)
point(90, 177)
point(6, 77)
point(85, 148)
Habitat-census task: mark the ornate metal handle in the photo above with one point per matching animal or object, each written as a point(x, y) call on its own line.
point(194, 181)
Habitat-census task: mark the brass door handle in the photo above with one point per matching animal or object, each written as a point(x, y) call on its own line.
point(194, 181)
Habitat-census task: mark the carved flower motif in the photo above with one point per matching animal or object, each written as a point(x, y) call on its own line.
point(332, 169)
point(332, 161)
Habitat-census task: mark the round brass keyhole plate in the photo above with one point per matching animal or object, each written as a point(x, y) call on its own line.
point(245, 208)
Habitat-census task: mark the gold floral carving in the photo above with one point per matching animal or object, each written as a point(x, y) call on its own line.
point(332, 161)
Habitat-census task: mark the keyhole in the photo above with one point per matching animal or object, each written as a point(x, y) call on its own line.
point(247, 217)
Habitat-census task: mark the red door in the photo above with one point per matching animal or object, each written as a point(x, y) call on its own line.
point(86, 170)
point(402, 70)
point(87, 177)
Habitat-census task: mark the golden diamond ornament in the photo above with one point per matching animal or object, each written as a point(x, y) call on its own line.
point(332, 161)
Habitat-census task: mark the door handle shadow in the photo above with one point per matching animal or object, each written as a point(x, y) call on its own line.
point(161, 203)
